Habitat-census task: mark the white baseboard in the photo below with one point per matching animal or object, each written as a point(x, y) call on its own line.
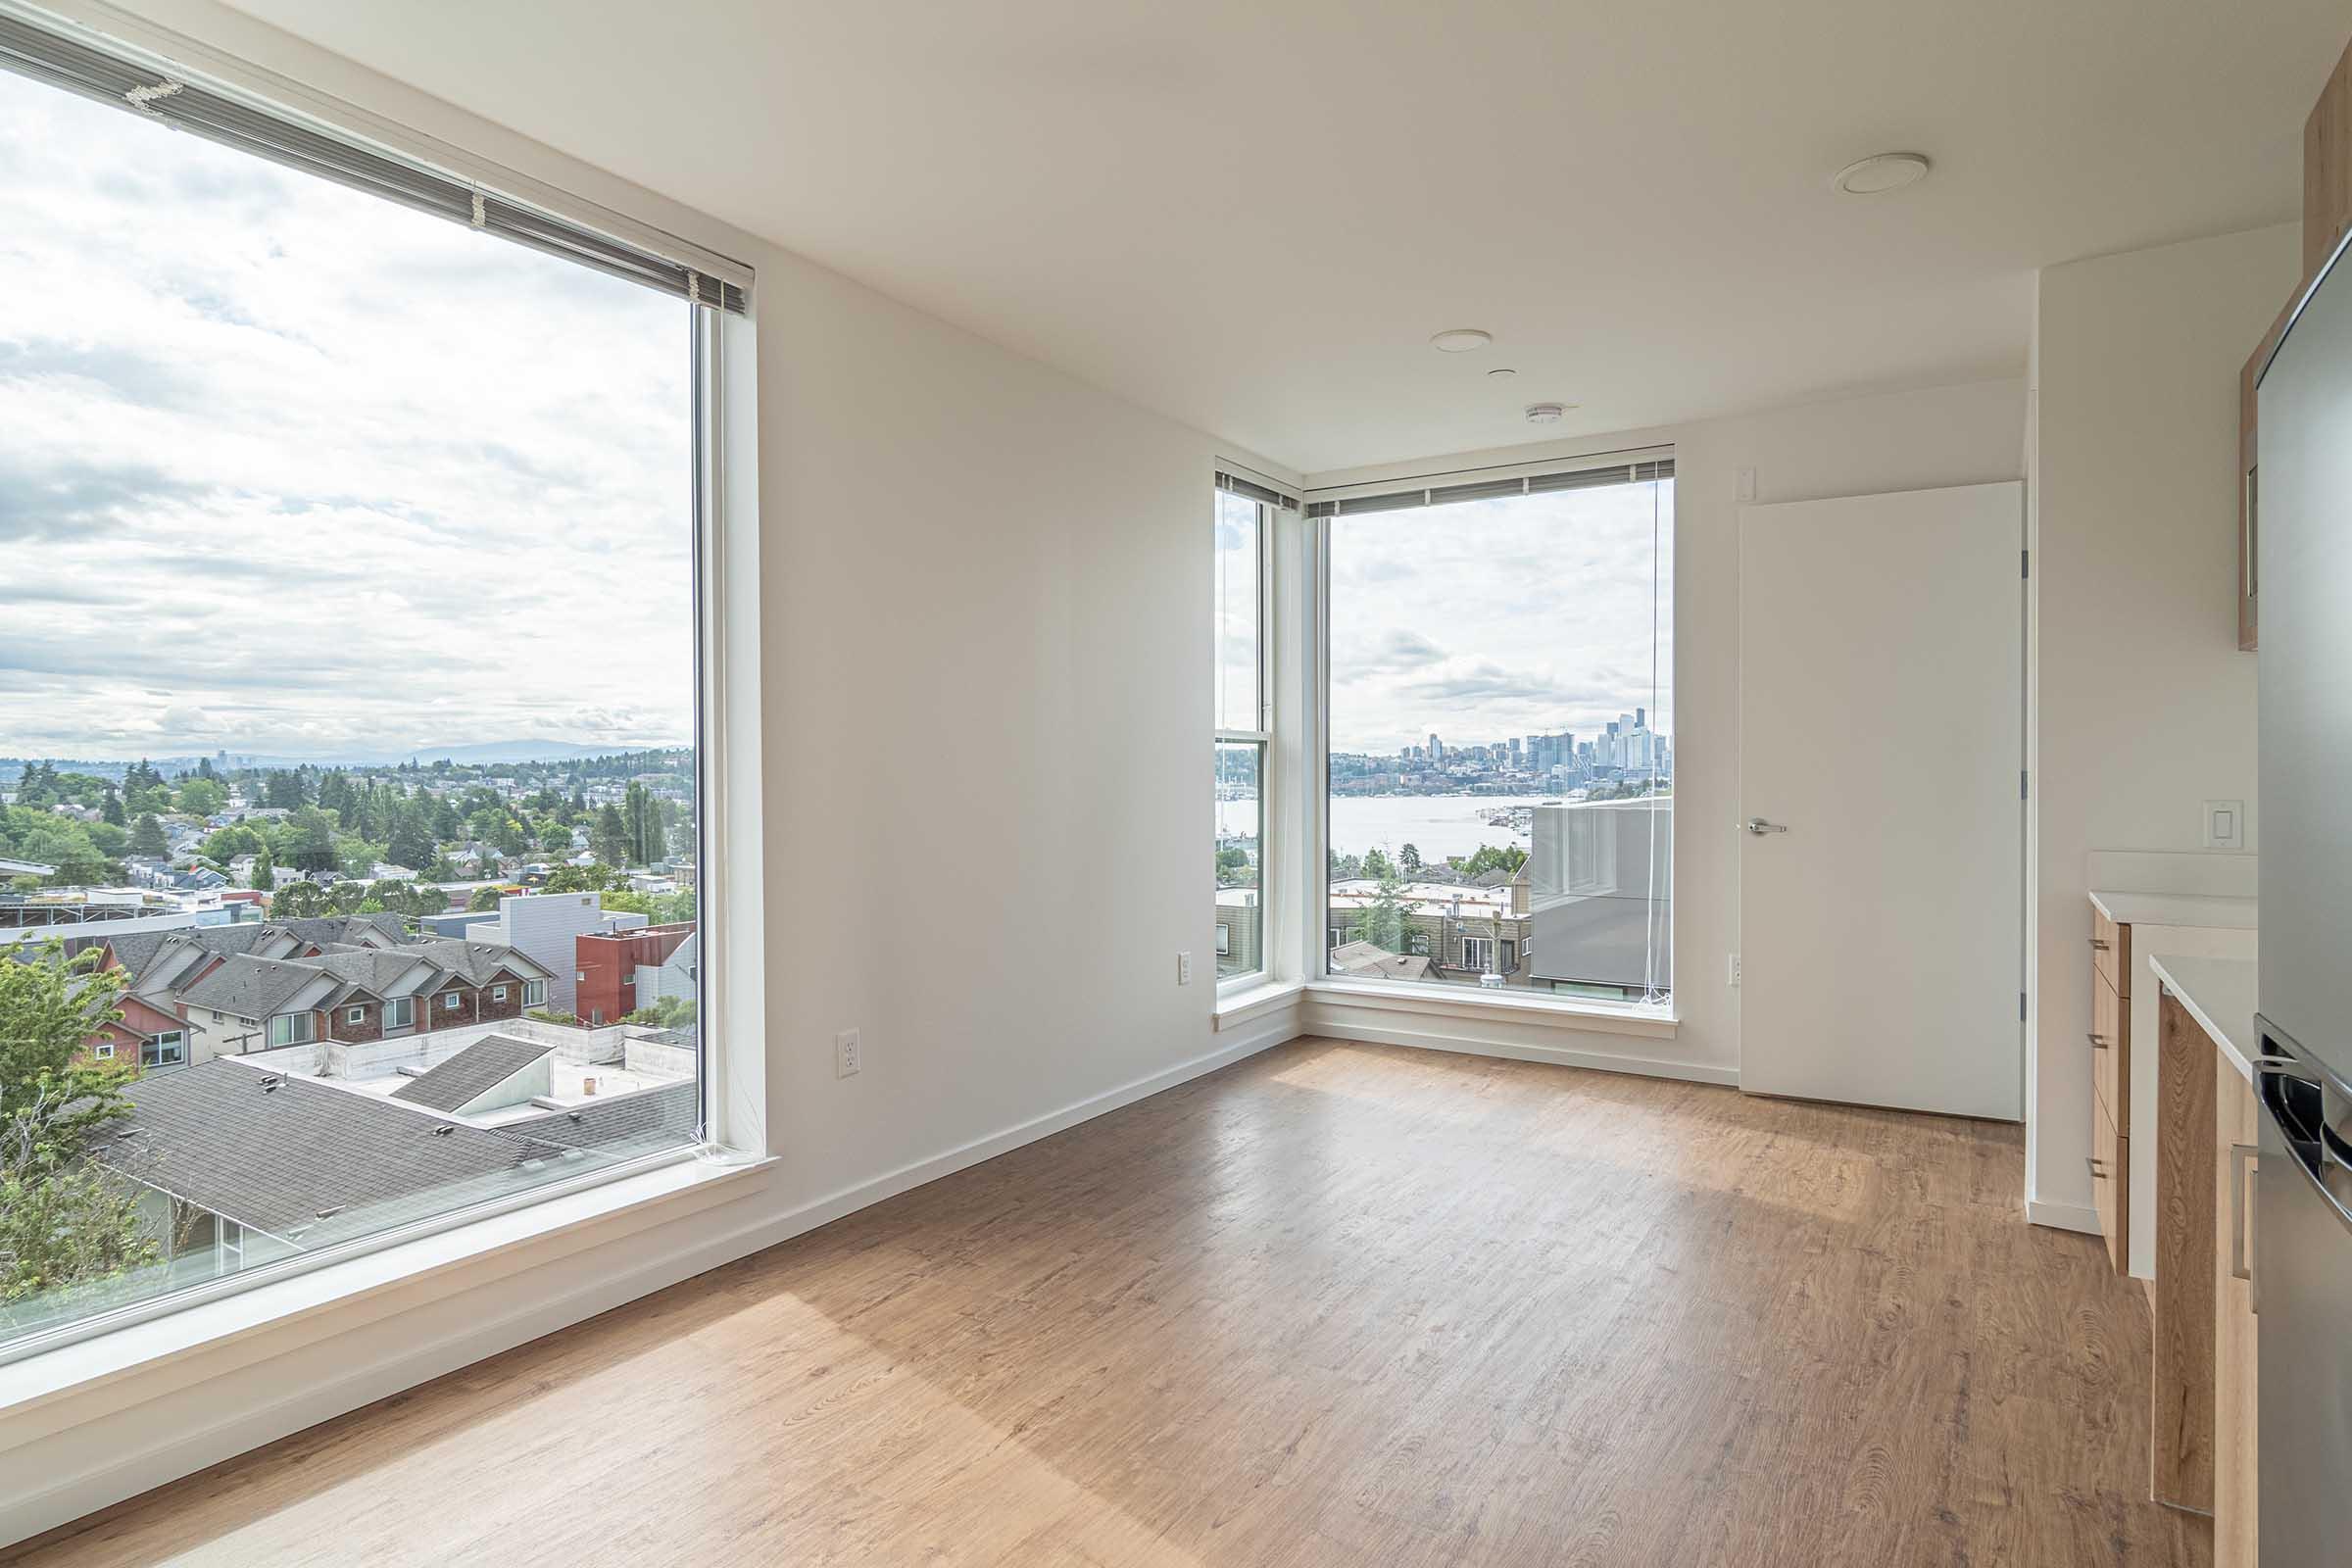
point(1558, 1055)
point(2064, 1216)
point(251, 1408)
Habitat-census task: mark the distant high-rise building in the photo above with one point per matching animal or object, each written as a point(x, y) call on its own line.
point(1437, 747)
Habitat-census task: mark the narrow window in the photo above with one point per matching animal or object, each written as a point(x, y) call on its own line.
point(1243, 529)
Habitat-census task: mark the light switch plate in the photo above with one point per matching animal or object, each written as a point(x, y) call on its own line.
point(2225, 825)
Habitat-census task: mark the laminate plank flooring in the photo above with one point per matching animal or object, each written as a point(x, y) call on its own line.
point(1335, 1304)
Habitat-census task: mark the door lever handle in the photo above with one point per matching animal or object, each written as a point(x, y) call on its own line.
point(1758, 826)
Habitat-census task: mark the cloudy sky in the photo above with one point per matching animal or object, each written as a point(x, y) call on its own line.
point(1486, 619)
point(288, 469)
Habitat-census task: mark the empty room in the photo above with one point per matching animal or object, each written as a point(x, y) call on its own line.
point(1176, 786)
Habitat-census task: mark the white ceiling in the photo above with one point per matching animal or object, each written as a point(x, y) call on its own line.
point(1252, 213)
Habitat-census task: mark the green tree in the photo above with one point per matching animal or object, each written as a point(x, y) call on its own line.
point(202, 797)
point(483, 899)
point(1410, 859)
point(265, 870)
point(1377, 864)
point(111, 809)
point(63, 1220)
point(298, 900)
point(282, 788)
point(609, 838)
point(666, 1012)
point(310, 840)
point(1382, 922)
point(148, 838)
point(410, 843)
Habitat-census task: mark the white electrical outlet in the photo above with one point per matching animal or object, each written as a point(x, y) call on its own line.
point(2225, 825)
point(1734, 966)
point(1184, 968)
point(847, 1059)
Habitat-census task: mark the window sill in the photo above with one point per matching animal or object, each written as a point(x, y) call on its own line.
point(1255, 1001)
point(1465, 1001)
point(211, 1336)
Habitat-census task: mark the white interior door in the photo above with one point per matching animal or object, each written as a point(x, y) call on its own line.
point(1882, 673)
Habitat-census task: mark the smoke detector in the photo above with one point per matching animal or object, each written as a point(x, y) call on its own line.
point(1460, 340)
point(1881, 173)
point(1547, 413)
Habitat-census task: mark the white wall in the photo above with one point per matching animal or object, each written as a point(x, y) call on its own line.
point(1954, 435)
point(2145, 706)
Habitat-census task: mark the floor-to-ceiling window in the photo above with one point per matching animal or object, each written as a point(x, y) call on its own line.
point(1243, 706)
point(349, 638)
point(1500, 733)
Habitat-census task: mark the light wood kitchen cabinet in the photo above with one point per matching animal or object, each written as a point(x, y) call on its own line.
point(2180, 1447)
point(2111, 1084)
point(2236, 1130)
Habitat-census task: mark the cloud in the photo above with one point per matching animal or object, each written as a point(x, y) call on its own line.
point(323, 473)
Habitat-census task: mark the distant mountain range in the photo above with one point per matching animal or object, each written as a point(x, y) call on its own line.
point(479, 753)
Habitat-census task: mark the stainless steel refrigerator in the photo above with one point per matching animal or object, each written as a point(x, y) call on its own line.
point(2301, 1241)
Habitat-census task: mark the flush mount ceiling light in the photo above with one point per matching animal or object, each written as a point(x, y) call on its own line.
point(1460, 340)
point(1881, 173)
point(1547, 413)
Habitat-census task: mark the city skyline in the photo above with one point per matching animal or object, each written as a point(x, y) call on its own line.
point(278, 499)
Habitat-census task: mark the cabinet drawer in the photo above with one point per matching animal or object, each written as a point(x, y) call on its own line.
point(2110, 1186)
point(2111, 1053)
point(2111, 951)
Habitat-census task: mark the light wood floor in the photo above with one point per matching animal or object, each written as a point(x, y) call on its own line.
point(1338, 1304)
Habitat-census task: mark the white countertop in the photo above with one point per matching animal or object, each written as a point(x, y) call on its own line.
point(2177, 909)
point(2219, 993)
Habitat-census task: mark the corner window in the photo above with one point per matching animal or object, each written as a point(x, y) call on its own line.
point(1498, 703)
point(534, 993)
point(1243, 706)
point(271, 410)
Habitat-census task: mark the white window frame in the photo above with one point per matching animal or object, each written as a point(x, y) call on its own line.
point(1475, 951)
point(305, 1017)
point(1647, 1019)
point(498, 993)
point(400, 1012)
point(534, 993)
point(1261, 737)
point(357, 1015)
point(103, 1050)
point(449, 1000)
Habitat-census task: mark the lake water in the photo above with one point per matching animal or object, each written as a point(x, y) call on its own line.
point(1438, 825)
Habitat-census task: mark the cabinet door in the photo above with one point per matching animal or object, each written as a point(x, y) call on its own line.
point(2110, 1052)
point(2234, 1510)
point(2109, 1176)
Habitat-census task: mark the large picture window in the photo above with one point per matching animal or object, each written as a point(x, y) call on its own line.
point(352, 693)
point(1501, 731)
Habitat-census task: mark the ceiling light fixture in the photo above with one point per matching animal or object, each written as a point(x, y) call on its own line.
point(1881, 173)
point(1460, 340)
point(1547, 413)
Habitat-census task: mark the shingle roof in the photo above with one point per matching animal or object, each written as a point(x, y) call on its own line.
point(321, 929)
point(478, 962)
point(651, 1116)
point(247, 987)
point(278, 1158)
point(137, 950)
point(473, 1072)
point(371, 968)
